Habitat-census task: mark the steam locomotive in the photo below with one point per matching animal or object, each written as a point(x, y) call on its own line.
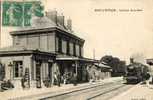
point(136, 72)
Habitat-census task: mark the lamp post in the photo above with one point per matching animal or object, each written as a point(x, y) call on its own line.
point(10, 65)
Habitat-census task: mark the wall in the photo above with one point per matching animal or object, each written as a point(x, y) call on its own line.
point(47, 42)
point(33, 41)
point(51, 42)
point(6, 60)
point(43, 41)
point(78, 48)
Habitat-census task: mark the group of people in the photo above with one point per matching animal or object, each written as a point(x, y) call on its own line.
point(65, 78)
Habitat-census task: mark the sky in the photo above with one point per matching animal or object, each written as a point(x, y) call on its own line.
point(120, 33)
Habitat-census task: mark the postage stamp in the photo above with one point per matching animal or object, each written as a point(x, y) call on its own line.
point(19, 13)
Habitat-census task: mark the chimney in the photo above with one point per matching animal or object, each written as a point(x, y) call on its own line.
point(60, 20)
point(69, 24)
point(131, 60)
point(52, 15)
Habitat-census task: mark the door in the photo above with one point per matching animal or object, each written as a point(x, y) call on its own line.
point(50, 71)
point(38, 74)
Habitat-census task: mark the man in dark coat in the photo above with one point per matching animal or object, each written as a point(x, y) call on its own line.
point(74, 79)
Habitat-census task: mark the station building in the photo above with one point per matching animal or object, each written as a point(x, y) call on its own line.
point(48, 46)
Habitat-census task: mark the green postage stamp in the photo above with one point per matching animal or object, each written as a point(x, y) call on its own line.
point(20, 13)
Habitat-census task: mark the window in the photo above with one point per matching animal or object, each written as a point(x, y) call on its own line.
point(68, 48)
point(71, 48)
point(74, 49)
point(80, 51)
point(17, 41)
point(18, 68)
point(57, 39)
point(60, 45)
point(77, 50)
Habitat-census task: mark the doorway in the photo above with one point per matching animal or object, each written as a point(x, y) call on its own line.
point(50, 71)
point(38, 74)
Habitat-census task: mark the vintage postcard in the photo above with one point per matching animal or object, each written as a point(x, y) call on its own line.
point(76, 50)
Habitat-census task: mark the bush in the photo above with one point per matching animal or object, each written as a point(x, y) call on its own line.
point(47, 82)
point(7, 85)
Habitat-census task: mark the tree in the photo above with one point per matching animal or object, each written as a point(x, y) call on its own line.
point(118, 66)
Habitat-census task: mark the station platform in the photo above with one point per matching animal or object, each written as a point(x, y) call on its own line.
point(138, 92)
point(35, 93)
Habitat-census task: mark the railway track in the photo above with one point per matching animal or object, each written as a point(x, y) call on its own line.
point(97, 92)
point(105, 92)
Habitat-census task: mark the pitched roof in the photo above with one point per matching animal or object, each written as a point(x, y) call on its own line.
point(41, 24)
point(66, 57)
point(102, 65)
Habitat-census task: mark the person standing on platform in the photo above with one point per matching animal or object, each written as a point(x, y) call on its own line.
point(65, 77)
point(56, 79)
point(74, 79)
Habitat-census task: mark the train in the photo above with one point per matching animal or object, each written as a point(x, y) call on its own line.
point(136, 72)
